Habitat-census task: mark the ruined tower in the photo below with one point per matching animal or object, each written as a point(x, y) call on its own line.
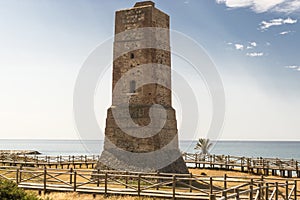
point(141, 54)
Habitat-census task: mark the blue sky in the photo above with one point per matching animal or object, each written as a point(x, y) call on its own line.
point(253, 43)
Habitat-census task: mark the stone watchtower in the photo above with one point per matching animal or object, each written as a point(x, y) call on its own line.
point(133, 48)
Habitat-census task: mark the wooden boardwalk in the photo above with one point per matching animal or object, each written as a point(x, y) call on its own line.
point(163, 185)
point(81, 161)
point(265, 166)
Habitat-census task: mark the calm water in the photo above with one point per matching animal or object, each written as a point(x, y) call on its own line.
point(238, 148)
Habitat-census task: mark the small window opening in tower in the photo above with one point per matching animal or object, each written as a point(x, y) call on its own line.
point(132, 55)
point(132, 86)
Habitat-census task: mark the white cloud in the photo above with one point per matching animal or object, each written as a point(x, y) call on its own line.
point(239, 47)
point(294, 67)
point(254, 44)
point(259, 6)
point(284, 32)
point(290, 21)
point(255, 54)
point(251, 45)
point(236, 3)
point(264, 25)
point(289, 7)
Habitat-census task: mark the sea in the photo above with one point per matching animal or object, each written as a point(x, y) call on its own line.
point(252, 149)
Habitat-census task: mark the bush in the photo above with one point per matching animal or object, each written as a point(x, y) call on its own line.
point(10, 191)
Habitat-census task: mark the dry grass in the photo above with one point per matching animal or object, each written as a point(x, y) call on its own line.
point(76, 196)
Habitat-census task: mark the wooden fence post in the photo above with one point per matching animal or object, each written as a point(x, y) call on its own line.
point(71, 175)
point(17, 175)
point(261, 189)
point(126, 179)
point(174, 186)
point(45, 180)
point(210, 185)
point(73, 161)
point(190, 182)
point(20, 177)
point(228, 161)
point(157, 181)
point(139, 184)
point(267, 190)
point(297, 170)
point(225, 186)
point(251, 190)
point(225, 181)
point(36, 158)
point(75, 173)
point(287, 190)
point(98, 177)
point(260, 195)
point(248, 165)
point(276, 190)
point(295, 191)
point(236, 190)
point(105, 183)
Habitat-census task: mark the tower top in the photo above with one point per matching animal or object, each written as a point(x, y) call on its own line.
point(144, 3)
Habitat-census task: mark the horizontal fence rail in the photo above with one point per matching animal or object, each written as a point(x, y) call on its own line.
point(162, 185)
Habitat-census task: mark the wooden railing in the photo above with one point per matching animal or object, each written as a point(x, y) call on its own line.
point(162, 185)
point(45, 160)
point(266, 166)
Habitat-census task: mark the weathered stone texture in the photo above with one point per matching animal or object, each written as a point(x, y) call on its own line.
point(143, 14)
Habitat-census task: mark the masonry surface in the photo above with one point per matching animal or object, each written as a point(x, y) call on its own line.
point(140, 99)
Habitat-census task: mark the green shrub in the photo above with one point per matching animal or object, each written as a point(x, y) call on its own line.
point(10, 191)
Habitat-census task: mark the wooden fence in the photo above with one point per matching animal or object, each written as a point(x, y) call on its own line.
point(265, 166)
point(163, 185)
point(50, 161)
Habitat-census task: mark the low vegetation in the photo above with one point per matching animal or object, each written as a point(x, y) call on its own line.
point(10, 191)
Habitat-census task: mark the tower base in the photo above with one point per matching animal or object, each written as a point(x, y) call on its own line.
point(158, 153)
point(109, 161)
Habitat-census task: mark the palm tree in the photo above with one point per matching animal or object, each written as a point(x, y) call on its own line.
point(204, 145)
